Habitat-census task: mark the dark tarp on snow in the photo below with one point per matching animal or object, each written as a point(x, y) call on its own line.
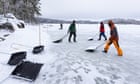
point(27, 70)
point(17, 57)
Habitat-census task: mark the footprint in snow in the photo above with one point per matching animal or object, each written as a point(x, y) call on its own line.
point(99, 80)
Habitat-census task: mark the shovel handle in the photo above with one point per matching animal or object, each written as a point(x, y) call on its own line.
point(64, 36)
point(100, 45)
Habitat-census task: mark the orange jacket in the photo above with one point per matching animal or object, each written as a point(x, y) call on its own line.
point(113, 31)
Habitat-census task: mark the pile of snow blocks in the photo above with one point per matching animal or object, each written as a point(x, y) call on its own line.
point(17, 57)
point(27, 70)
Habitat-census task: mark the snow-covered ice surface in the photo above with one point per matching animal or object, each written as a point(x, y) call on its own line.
point(68, 63)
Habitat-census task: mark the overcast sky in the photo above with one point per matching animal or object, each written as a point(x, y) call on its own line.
point(90, 9)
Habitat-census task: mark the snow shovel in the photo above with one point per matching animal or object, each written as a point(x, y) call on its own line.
point(93, 48)
point(60, 40)
point(90, 39)
point(39, 48)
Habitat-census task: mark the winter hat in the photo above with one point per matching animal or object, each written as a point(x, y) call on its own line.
point(101, 22)
point(110, 23)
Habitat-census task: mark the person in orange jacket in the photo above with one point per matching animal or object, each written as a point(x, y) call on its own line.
point(102, 31)
point(114, 38)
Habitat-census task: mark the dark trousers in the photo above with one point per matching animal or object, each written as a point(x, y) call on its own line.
point(74, 36)
point(102, 34)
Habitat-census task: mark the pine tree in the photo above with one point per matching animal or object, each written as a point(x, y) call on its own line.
point(1, 7)
point(22, 9)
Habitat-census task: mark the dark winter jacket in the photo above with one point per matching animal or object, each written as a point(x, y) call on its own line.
point(113, 31)
point(114, 34)
point(72, 28)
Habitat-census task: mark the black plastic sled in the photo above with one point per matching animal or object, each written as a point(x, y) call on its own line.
point(17, 57)
point(38, 49)
point(27, 70)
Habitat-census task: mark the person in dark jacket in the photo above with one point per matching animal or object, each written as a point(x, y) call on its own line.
point(72, 31)
point(114, 38)
point(61, 26)
point(102, 31)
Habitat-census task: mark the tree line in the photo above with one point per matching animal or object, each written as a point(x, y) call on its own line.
point(22, 9)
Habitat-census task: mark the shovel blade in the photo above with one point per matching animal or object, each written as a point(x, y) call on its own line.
point(57, 41)
point(90, 39)
point(38, 49)
point(91, 49)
